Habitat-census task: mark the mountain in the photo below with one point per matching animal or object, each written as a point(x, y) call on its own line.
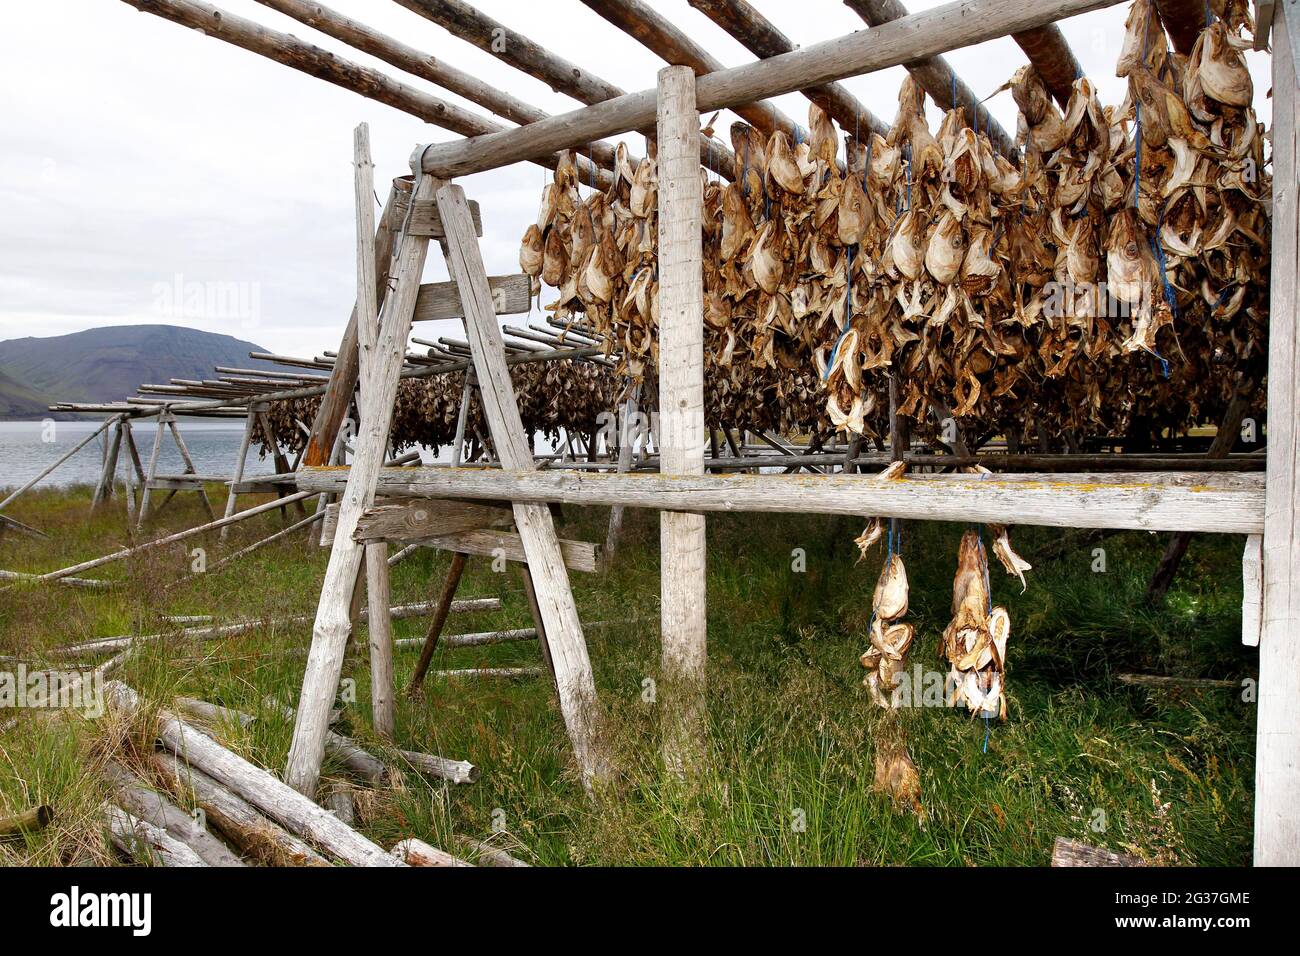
point(108, 364)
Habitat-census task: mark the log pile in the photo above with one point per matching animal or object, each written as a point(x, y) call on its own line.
point(1113, 279)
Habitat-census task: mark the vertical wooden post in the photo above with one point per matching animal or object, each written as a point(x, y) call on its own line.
point(242, 457)
point(626, 438)
point(681, 416)
point(105, 487)
point(189, 463)
point(536, 528)
point(153, 467)
point(332, 627)
point(1277, 742)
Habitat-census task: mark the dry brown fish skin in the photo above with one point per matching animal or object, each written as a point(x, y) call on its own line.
point(897, 778)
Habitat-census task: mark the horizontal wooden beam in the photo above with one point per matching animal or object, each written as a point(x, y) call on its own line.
point(578, 555)
point(910, 38)
point(511, 295)
point(426, 221)
point(1232, 504)
point(416, 519)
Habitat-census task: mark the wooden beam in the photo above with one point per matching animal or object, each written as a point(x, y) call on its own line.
point(742, 20)
point(1067, 852)
point(578, 555)
point(511, 295)
point(936, 77)
point(333, 625)
point(682, 545)
point(657, 33)
point(425, 220)
point(1183, 20)
point(921, 35)
point(1052, 58)
point(574, 681)
point(1277, 742)
point(1252, 590)
point(417, 519)
point(496, 39)
point(436, 622)
point(1211, 502)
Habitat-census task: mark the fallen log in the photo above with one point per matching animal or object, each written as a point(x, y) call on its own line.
point(140, 801)
point(257, 835)
point(212, 713)
point(29, 821)
point(487, 854)
point(415, 852)
point(1067, 852)
point(280, 802)
point(359, 761)
point(138, 838)
point(1160, 680)
point(456, 771)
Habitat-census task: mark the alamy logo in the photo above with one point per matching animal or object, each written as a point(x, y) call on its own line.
point(52, 690)
point(74, 908)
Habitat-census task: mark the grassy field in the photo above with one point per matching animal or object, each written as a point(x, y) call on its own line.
point(1163, 774)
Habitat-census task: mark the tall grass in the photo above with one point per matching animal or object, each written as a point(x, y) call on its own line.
point(791, 734)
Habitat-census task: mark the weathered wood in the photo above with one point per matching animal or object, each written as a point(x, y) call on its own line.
point(1052, 59)
point(213, 713)
point(416, 519)
point(936, 77)
point(683, 598)
point(762, 38)
point(13, 496)
point(577, 555)
point(475, 639)
point(563, 631)
point(241, 457)
point(415, 852)
point(657, 33)
point(501, 673)
point(249, 549)
point(486, 853)
point(332, 627)
point(1252, 590)
point(29, 821)
point(511, 295)
point(455, 771)
point(413, 61)
point(1067, 852)
point(351, 754)
point(104, 489)
point(242, 823)
point(437, 622)
point(1165, 681)
point(278, 801)
point(383, 706)
point(425, 221)
point(140, 839)
point(139, 800)
point(918, 36)
point(1221, 503)
point(173, 538)
point(1277, 742)
point(189, 463)
point(625, 449)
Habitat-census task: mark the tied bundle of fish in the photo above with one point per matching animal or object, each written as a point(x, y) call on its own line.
point(562, 396)
point(1079, 291)
point(891, 637)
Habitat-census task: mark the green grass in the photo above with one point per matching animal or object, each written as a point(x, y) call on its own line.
point(792, 734)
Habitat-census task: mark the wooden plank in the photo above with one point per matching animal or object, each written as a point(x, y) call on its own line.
point(333, 625)
point(1204, 502)
point(1252, 590)
point(426, 221)
point(418, 519)
point(383, 704)
point(574, 681)
point(1067, 852)
point(1277, 743)
point(511, 295)
point(683, 597)
point(240, 458)
point(914, 37)
point(578, 555)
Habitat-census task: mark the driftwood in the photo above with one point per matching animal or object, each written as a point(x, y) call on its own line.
point(1160, 680)
point(1067, 852)
point(137, 799)
point(277, 800)
point(456, 771)
point(476, 639)
point(241, 822)
point(415, 519)
point(415, 852)
point(358, 760)
point(29, 821)
point(487, 854)
point(502, 673)
point(212, 713)
point(140, 839)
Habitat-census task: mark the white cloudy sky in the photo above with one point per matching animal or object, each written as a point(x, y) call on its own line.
point(133, 151)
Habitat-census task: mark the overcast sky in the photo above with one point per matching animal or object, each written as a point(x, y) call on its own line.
point(136, 154)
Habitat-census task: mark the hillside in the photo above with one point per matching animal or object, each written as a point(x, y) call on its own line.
point(108, 364)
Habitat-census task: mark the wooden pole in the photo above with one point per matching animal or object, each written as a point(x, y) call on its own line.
point(957, 24)
point(627, 437)
point(139, 800)
point(332, 628)
point(75, 448)
point(441, 608)
point(240, 458)
point(29, 821)
point(762, 38)
point(1277, 744)
point(104, 489)
point(140, 838)
point(189, 463)
point(536, 528)
point(681, 420)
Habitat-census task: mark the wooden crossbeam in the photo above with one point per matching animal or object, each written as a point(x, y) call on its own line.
point(915, 37)
point(578, 555)
point(511, 295)
point(417, 519)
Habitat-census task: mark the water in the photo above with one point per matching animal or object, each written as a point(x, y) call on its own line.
point(25, 451)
